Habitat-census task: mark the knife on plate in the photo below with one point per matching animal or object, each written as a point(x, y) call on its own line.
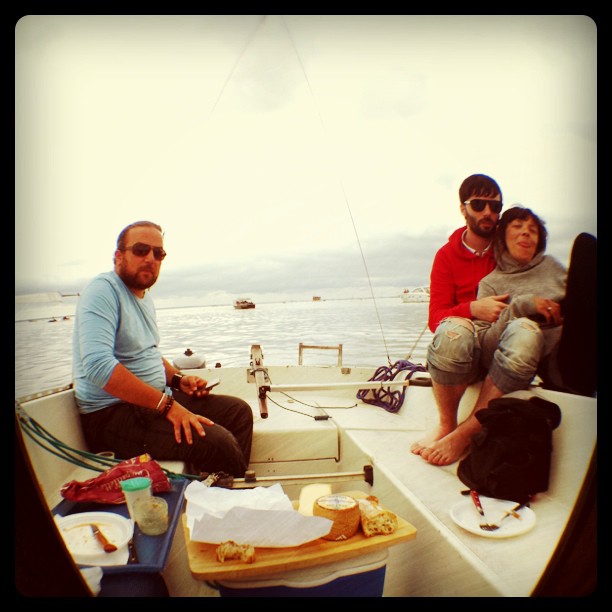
point(108, 547)
point(513, 512)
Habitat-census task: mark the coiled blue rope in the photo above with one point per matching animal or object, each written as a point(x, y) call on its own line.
point(391, 399)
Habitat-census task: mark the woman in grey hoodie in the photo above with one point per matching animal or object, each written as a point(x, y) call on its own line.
point(521, 343)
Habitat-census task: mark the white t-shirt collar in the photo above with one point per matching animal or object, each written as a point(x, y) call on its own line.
point(469, 248)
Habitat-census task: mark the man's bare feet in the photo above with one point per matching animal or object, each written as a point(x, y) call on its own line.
point(433, 436)
point(448, 449)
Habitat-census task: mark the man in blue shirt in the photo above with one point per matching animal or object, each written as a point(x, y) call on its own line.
point(130, 398)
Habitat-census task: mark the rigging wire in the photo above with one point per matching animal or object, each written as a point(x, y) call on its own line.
point(312, 416)
point(365, 265)
point(238, 60)
point(295, 399)
point(409, 356)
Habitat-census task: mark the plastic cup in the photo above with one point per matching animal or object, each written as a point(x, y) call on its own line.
point(135, 489)
point(151, 515)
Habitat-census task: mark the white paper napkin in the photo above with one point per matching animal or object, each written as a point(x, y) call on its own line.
point(263, 516)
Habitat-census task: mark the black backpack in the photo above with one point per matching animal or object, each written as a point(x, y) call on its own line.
point(510, 457)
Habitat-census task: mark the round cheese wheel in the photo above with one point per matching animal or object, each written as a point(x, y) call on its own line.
point(343, 511)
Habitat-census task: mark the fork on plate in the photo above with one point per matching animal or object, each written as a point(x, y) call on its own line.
point(485, 526)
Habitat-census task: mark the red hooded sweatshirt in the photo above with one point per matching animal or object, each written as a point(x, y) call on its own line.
point(454, 279)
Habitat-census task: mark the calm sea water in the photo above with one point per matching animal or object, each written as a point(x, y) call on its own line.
point(371, 333)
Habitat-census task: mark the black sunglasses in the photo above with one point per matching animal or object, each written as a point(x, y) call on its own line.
point(140, 249)
point(478, 205)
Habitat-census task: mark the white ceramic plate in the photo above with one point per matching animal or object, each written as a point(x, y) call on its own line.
point(83, 545)
point(464, 513)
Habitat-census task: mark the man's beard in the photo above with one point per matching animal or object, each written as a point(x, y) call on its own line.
point(131, 280)
point(478, 230)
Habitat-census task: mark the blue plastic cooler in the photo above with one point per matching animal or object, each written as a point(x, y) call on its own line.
point(362, 576)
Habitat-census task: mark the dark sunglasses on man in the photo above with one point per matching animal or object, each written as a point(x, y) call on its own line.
point(478, 205)
point(140, 249)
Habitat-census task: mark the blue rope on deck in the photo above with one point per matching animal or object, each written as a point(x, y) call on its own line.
point(391, 399)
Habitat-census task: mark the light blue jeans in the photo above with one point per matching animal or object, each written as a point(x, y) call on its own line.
point(510, 352)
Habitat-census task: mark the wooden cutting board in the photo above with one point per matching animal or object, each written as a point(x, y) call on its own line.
point(204, 565)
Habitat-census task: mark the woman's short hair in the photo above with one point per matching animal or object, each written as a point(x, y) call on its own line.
point(522, 213)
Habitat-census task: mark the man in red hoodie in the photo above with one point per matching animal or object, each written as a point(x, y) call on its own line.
point(453, 358)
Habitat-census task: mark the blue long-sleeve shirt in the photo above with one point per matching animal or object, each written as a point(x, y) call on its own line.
point(113, 326)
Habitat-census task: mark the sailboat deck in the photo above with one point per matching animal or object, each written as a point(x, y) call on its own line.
point(444, 559)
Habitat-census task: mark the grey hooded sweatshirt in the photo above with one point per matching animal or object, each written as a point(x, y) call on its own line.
point(544, 276)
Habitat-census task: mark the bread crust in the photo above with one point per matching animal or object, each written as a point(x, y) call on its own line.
point(375, 520)
point(229, 550)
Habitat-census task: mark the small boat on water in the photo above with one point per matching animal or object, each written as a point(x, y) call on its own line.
point(416, 295)
point(243, 304)
point(310, 428)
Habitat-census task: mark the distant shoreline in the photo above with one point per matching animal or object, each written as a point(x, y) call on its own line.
point(380, 297)
point(70, 312)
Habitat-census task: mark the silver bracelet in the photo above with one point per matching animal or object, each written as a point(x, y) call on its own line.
point(161, 399)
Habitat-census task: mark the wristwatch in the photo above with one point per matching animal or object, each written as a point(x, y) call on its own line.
point(175, 383)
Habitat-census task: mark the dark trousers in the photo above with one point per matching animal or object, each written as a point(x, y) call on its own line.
point(130, 430)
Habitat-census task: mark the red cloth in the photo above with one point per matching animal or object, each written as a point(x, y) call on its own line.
point(455, 275)
point(106, 488)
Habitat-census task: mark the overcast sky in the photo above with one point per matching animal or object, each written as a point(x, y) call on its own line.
point(291, 156)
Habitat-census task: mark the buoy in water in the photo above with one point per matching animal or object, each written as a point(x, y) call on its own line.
point(189, 361)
